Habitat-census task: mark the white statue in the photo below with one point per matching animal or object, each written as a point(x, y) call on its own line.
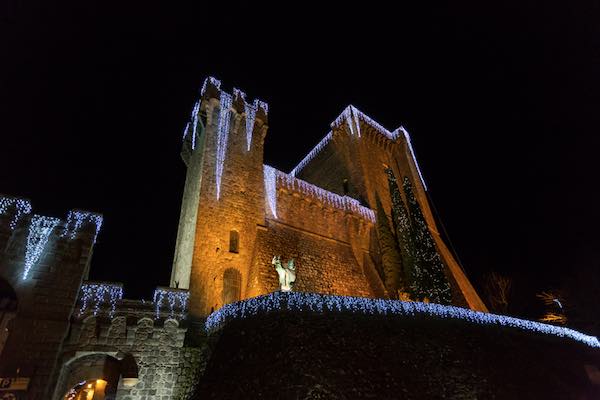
point(287, 274)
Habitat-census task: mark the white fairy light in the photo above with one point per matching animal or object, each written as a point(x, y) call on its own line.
point(274, 177)
point(39, 231)
point(21, 207)
point(195, 112)
point(222, 137)
point(412, 154)
point(312, 154)
point(75, 221)
point(186, 130)
point(239, 93)
point(352, 113)
point(250, 111)
point(313, 302)
point(262, 105)
point(95, 295)
point(176, 300)
point(271, 188)
point(215, 82)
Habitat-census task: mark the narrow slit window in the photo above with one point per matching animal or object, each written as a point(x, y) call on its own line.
point(234, 242)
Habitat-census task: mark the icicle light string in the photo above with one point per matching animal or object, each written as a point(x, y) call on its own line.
point(274, 177)
point(75, 221)
point(313, 302)
point(412, 154)
point(271, 188)
point(250, 111)
point(222, 137)
point(40, 230)
point(186, 130)
point(215, 82)
point(176, 300)
point(21, 206)
point(95, 295)
point(195, 113)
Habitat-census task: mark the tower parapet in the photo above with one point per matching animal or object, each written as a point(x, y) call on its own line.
point(223, 196)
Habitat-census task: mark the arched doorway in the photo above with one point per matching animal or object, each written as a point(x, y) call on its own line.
point(91, 376)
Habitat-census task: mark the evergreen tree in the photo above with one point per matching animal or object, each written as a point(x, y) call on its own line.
point(432, 282)
point(404, 237)
point(390, 254)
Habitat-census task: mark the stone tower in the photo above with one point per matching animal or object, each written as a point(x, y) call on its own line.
point(223, 197)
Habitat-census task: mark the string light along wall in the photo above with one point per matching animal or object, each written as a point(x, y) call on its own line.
point(318, 303)
point(186, 130)
point(76, 219)
point(274, 177)
point(95, 295)
point(195, 112)
point(223, 125)
point(175, 299)
point(271, 188)
point(412, 154)
point(214, 81)
point(22, 207)
point(40, 229)
point(352, 117)
point(222, 137)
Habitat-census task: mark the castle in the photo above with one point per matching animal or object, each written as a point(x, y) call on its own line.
point(64, 337)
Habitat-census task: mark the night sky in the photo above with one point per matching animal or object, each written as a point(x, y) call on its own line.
point(502, 105)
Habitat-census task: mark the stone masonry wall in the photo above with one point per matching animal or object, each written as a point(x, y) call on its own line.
point(239, 207)
point(167, 368)
point(363, 159)
point(45, 299)
point(323, 265)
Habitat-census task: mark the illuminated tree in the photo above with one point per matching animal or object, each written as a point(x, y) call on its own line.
point(390, 254)
point(404, 236)
point(431, 282)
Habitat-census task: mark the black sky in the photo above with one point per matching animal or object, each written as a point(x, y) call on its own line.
point(501, 102)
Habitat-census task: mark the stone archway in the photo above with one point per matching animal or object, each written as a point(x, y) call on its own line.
point(92, 376)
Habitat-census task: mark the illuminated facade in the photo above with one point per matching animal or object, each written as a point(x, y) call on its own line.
point(64, 337)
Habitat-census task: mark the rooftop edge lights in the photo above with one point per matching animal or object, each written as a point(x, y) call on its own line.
point(313, 302)
point(177, 300)
point(412, 154)
point(22, 208)
point(96, 294)
point(75, 221)
point(274, 176)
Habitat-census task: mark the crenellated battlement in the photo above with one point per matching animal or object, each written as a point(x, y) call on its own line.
point(236, 101)
point(105, 300)
point(277, 180)
point(36, 233)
